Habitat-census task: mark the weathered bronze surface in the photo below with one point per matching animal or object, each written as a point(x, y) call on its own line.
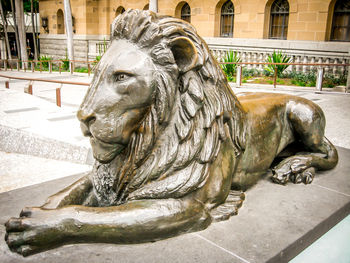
point(174, 148)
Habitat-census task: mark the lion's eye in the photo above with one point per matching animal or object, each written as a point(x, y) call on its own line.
point(120, 77)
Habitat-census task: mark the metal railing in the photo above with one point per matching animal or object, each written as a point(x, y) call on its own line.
point(44, 65)
point(239, 72)
point(30, 86)
point(320, 70)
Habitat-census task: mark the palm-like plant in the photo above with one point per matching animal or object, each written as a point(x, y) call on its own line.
point(277, 57)
point(230, 69)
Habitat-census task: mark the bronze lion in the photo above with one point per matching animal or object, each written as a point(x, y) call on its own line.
point(174, 147)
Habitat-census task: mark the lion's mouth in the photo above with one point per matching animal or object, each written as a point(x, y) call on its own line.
point(105, 152)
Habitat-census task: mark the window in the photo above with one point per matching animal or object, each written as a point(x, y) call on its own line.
point(226, 21)
point(186, 13)
point(279, 19)
point(60, 22)
point(120, 10)
point(341, 21)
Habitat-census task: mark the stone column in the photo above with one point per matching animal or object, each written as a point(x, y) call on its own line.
point(3, 49)
point(238, 76)
point(153, 5)
point(319, 79)
point(69, 30)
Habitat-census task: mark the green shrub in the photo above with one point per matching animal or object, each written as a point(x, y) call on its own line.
point(280, 81)
point(307, 79)
point(267, 73)
point(97, 59)
point(44, 60)
point(81, 69)
point(331, 80)
point(250, 72)
point(277, 57)
point(65, 63)
point(230, 69)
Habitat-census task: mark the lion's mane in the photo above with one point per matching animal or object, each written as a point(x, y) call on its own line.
point(170, 154)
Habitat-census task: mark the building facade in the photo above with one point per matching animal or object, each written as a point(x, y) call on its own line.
point(316, 26)
point(12, 39)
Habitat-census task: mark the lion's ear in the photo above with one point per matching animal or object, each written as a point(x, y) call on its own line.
point(185, 54)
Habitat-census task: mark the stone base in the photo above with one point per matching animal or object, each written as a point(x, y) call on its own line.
point(275, 224)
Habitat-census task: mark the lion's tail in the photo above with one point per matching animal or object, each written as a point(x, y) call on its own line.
point(331, 159)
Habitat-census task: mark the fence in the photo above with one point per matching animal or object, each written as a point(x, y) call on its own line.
point(45, 65)
point(301, 52)
point(320, 70)
point(302, 63)
point(30, 87)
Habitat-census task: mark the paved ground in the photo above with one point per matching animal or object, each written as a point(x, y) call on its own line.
point(36, 120)
point(40, 141)
point(274, 224)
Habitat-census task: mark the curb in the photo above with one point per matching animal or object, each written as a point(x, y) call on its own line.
point(23, 142)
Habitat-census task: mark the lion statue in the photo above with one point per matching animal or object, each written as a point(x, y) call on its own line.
point(174, 147)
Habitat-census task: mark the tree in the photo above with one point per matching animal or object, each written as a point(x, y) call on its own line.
point(27, 5)
point(21, 31)
point(69, 30)
point(33, 28)
point(3, 17)
point(15, 28)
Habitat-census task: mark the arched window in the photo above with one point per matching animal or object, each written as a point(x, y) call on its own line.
point(341, 21)
point(226, 21)
point(186, 13)
point(279, 16)
point(120, 10)
point(60, 22)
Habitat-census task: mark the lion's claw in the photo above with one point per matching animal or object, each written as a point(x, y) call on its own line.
point(26, 212)
point(296, 178)
point(280, 178)
point(14, 224)
point(308, 175)
point(14, 240)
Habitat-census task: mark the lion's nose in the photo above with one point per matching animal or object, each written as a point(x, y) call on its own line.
point(86, 119)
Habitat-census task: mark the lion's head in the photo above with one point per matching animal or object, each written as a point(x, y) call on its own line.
point(156, 111)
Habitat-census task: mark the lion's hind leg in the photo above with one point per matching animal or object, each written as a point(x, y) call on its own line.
point(307, 121)
point(301, 167)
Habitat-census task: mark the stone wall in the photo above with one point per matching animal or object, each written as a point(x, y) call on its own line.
point(84, 47)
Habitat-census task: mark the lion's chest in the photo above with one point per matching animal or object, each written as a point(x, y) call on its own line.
point(104, 183)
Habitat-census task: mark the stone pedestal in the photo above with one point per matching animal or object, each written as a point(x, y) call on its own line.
point(275, 224)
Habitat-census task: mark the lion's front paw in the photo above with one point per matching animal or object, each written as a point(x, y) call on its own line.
point(31, 233)
point(224, 211)
point(19, 236)
point(294, 169)
point(19, 242)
